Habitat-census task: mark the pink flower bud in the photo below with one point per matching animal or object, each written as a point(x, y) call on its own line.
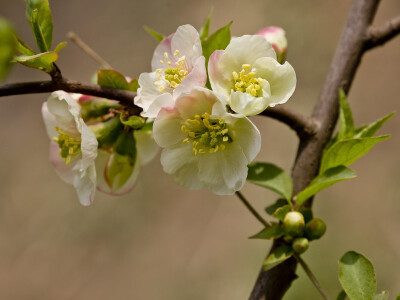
point(277, 38)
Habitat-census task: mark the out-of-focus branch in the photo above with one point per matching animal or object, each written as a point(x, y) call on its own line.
point(379, 35)
point(71, 86)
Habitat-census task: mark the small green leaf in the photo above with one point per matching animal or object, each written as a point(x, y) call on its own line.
point(272, 232)
point(158, 36)
point(382, 296)
point(217, 41)
point(277, 256)
point(398, 297)
point(206, 27)
point(112, 79)
point(341, 296)
point(41, 61)
point(126, 145)
point(134, 85)
point(271, 177)
point(324, 180)
point(371, 129)
point(346, 123)
point(60, 46)
point(348, 151)
point(273, 207)
point(281, 212)
point(23, 48)
point(42, 23)
point(357, 276)
point(135, 122)
point(7, 47)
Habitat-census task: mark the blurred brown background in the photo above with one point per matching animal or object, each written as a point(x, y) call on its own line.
point(161, 241)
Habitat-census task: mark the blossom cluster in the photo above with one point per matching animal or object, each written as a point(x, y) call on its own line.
point(197, 113)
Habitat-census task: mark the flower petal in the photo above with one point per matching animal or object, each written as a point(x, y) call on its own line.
point(162, 47)
point(187, 40)
point(167, 128)
point(187, 177)
point(198, 102)
point(177, 156)
point(146, 147)
point(246, 104)
point(196, 78)
point(164, 100)
point(147, 91)
point(64, 108)
point(85, 185)
point(282, 79)
point(66, 172)
point(89, 146)
point(49, 121)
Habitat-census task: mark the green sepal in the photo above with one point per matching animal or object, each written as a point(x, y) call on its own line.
point(158, 36)
point(42, 23)
point(112, 79)
point(278, 255)
point(271, 232)
point(41, 61)
point(134, 122)
point(8, 47)
point(281, 212)
point(94, 108)
point(126, 145)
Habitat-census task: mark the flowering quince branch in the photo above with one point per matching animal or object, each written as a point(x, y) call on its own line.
point(379, 35)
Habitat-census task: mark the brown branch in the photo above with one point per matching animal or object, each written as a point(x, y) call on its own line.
point(274, 283)
point(377, 36)
point(71, 86)
point(304, 126)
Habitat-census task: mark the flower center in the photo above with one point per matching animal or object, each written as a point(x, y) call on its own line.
point(173, 75)
point(245, 81)
point(206, 135)
point(70, 145)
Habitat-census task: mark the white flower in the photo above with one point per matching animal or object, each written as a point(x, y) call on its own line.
point(204, 145)
point(74, 147)
point(177, 65)
point(248, 76)
point(277, 38)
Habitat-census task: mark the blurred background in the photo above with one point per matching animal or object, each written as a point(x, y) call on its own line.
point(161, 241)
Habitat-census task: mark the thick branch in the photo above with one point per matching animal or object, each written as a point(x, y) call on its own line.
point(304, 126)
point(378, 36)
point(71, 86)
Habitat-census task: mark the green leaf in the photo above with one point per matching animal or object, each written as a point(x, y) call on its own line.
point(112, 79)
point(278, 256)
point(7, 47)
point(371, 129)
point(398, 297)
point(217, 41)
point(118, 170)
point(348, 151)
point(281, 212)
point(158, 36)
point(346, 123)
point(341, 296)
point(271, 177)
point(134, 85)
point(42, 24)
point(60, 46)
point(41, 61)
point(272, 232)
point(323, 181)
point(382, 296)
point(135, 122)
point(206, 27)
point(23, 48)
point(273, 207)
point(357, 276)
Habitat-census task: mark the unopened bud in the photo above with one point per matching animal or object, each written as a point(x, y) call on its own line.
point(277, 38)
point(293, 223)
point(315, 229)
point(300, 245)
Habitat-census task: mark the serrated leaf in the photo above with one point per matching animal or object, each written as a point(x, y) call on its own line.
point(206, 27)
point(272, 232)
point(277, 204)
point(324, 180)
point(23, 48)
point(346, 123)
point(7, 47)
point(348, 151)
point(134, 85)
point(278, 256)
point(112, 79)
point(158, 36)
point(357, 276)
point(370, 129)
point(382, 296)
point(217, 41)
point(60, 46)
point(271, 177)
point(281, 212)
point(41, 61)
point(341, 296)
point(42, 23)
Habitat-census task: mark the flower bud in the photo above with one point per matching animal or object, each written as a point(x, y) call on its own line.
point(277, 38)
point(300, 245)
point(315, 229)
point(293, 223)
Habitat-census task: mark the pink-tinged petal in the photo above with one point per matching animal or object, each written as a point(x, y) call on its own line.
point(198, 102)
point(275, 36)
point(187, 40)
point(89, 146)
point(248, 48)
point(164, 100)
point(85, 185)
point(176, 157)
point(66, 172)
point(49, 121)
point(196, 78)
point(65, 112)
point(146, 147)
point(163, 47)
point(100, 164)
point(147, 90)
point(282, 79)
point(167, 128)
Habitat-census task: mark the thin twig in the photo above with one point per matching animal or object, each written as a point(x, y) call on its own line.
point(252, 210)
point(89, 51)
point(379, 35)
point(311, 276)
